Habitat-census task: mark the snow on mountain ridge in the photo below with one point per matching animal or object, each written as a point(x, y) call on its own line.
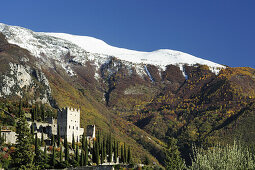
point(47, 46)
point(160, 57)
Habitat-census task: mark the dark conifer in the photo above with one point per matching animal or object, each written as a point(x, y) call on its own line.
point(23, 155)
point(125, 153)
point(122, 154)
point(52, 140)
point(115, 152)
point(86, 156)
point(58, 135)
point(73, 143)
point(66, 149)
point(77, 154)
point(129, 158)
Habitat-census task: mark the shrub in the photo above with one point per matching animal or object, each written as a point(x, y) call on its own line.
point(223, 157)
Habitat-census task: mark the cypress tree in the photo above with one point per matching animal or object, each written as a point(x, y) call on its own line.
point(115, 152)
point(122, 154)
point(82, 158)
point(83, 141)
point(86, 156)
point(129, 159)
point(42, 140)
point(117, 149)
point(33, 114)
point(52, 140)
point(66, 149)
point(77, 154)
point(125, 153)
point(104, 150)
point(73, 143)
point(58, 135)
point(97, 153)
point(32, 130)
point(38, 157)
point(110, 149)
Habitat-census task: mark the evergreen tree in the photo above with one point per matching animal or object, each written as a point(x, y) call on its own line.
point(58, 135)
point(66, 150)
point(38, 156)
point(110, 149)
point(86, 156)
point(173, 159)
point(115, 152)
point(23, 155)
point(73, 143)
point(129, 158)
point(52, 140)
point(103, 151)
point(42, 140)
point(97, 152)
point(125, 153)
point(33, 114)
point(117, 149)
point(77, 153)
point(32, 130)
point(122, 154)
point(83, 141)
point(82, 158)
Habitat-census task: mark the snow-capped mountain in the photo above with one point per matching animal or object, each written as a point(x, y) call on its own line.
point(57, 46)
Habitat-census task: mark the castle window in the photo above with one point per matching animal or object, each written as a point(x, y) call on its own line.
point(73, 127)
point(69, 126)
point(76, 128)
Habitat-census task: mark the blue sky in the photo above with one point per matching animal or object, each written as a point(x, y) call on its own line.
point(222, 31)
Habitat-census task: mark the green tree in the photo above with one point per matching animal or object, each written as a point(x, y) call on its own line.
point(52, 140)
point(82, 158)
point(58, 135)
point(73, 143)
point(38, 155)
point(122, 154)
point(115, 151)
point(77, 153)
point(66, 149)
point(86, 156)
point(110, 148)
point(173, 159)
point(129, 158)
point(125, 153)
point(23, 155)
point(42, 140)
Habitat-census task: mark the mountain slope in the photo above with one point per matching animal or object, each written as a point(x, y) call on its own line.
point(141, 97)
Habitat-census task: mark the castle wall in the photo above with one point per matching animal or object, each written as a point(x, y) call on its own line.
point(69, 124)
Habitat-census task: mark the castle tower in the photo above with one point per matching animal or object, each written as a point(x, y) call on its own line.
point(69, 124)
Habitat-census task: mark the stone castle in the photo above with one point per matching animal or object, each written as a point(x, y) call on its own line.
point(68, 122)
